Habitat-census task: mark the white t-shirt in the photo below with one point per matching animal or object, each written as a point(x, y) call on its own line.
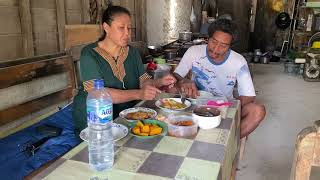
point(219, 79)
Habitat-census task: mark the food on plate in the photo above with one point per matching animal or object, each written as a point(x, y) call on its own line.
point(147, 129)
point(172, 104)
point(183, 123)
point(139, 115)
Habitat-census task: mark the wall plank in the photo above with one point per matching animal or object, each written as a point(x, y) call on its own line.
point(80, 34)
point(61, 22)
point(10, 20)
point(73, 4)
point(47, 4)
point(73, 17)
point(85, 9)
point(44, 20)
point(9, 3)
point(26, 28)
point(46, 42)
point(12, 49)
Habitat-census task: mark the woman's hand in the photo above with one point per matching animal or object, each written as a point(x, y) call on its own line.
point(148, 92)
point(167, 80)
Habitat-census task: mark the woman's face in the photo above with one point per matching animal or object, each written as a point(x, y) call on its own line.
point(120, 30)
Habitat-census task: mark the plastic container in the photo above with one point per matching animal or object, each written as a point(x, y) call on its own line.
point(291, 68)
point(207, 117)
point(99, 117)
point(182, 131)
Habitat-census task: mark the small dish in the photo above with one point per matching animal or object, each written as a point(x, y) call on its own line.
point(123, 114)
point(119, 131)
point(159, 104)
point(161, 124)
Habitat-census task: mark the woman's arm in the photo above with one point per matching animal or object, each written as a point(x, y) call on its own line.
point(121, 96)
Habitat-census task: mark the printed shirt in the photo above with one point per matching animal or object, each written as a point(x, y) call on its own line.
point(217, 78)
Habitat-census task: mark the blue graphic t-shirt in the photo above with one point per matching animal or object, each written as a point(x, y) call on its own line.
point(219, 79)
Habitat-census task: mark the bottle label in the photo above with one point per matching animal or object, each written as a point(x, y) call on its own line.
point(101, 115)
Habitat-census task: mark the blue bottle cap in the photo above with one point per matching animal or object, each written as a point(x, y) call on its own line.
point(98, 83)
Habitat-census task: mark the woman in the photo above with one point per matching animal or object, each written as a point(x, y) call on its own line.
point(118, 64)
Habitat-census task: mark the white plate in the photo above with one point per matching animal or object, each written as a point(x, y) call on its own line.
point(203, 94)
point(119, 131)
point(159, 103)
point(124, 113)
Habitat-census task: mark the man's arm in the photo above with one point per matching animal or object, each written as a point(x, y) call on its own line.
point(246, 99)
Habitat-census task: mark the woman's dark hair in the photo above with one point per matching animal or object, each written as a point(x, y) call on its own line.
point(224, 25)
point(109, 14)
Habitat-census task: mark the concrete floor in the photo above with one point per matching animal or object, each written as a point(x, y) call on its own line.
point(292, 104)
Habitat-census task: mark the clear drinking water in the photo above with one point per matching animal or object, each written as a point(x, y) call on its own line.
point(99, 116)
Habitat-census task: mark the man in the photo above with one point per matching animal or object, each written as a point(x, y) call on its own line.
point(216, 69)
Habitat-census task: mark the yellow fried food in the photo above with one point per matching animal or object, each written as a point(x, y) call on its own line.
point(172, 104)
point(155, 131)
point(136, 130)
point(147, 129)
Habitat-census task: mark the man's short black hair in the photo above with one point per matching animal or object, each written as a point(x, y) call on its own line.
point(224, 25)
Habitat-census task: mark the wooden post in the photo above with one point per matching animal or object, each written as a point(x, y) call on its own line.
point(26, 28)
point(61, 22)
point(138, 25)
point(85, 8)
point(143, 28)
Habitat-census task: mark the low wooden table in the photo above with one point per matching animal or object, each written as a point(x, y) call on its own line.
point(210, 155)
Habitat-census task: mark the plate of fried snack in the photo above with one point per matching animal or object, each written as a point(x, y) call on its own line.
point(148, 129)
point(138, 113)
point(172, 104)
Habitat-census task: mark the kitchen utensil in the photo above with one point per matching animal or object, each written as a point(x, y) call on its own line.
point(215, 103)
point(185, 36)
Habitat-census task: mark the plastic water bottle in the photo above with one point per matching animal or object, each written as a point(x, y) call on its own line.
point(99, 116)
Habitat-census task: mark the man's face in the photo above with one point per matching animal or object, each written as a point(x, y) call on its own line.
point(218, 45)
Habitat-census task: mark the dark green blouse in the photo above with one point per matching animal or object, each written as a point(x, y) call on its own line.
point(94, 66)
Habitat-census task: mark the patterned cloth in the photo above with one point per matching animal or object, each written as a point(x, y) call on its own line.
point(209, 155)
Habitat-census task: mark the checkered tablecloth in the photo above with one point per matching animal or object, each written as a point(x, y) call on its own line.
point(209, 155)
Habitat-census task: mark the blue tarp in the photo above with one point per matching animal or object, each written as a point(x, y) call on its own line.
point(15, 164)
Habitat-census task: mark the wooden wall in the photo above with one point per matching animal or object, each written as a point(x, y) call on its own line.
point(266, 34)
point(10, 30)
point(36, 27)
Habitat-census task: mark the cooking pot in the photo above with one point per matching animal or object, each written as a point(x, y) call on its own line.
point(154, 49)
point(170, 53)
point(264, 60)
point(185, 36)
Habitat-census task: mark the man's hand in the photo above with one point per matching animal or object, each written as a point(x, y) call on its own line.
point(189, 88)
point(167, 80)
point(148, 92)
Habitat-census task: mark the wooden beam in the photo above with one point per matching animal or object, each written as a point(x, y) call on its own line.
point(85, 11)
point(61, 22)
point(26, 28)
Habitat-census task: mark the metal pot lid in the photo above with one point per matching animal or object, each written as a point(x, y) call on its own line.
point(283, 20)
